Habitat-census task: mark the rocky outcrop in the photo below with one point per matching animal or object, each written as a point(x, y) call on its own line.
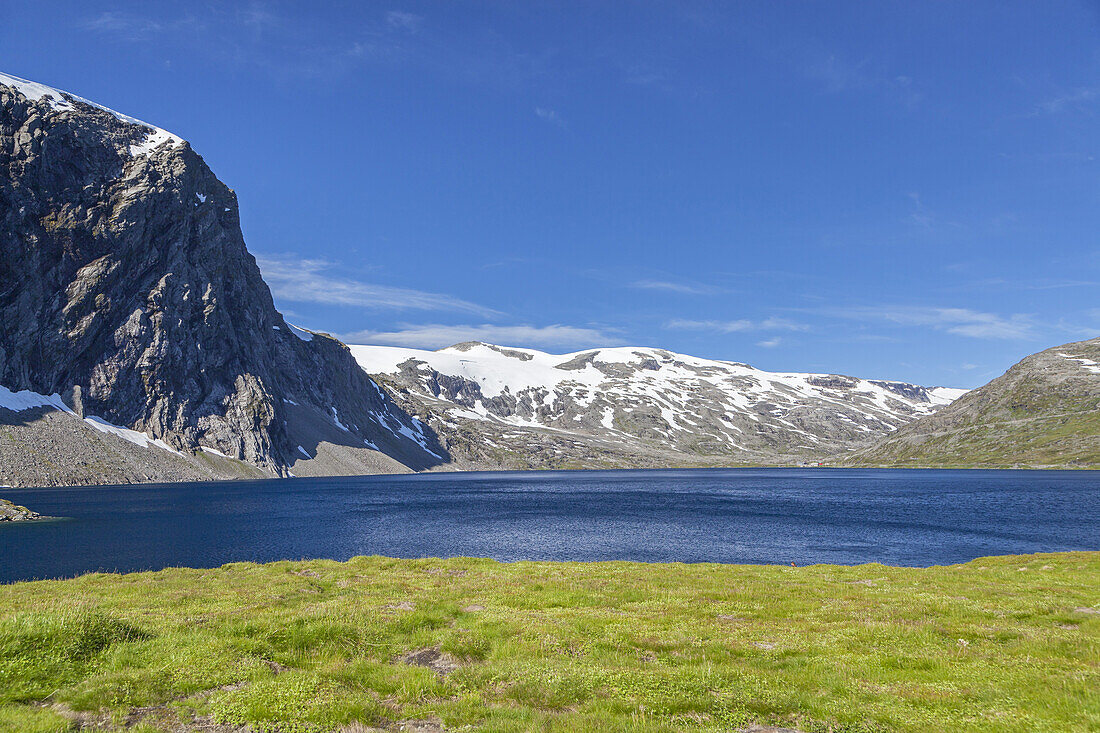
point(14, 513)
point(1043, 412)
point(126, 288)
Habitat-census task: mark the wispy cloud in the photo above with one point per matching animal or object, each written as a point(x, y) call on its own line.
point(309, 281)
point(124, 24)
point(920, 215)
point(770, 343)
point(642, 74)
point(1078, 100)
point(436, 336)
point(744, 324)
point(550, 116)
point(675, 287)
point(407, 22)
point(838, 75)
point(274, 38)
point(1042, 283)
point(958, 321)
point(258, 16)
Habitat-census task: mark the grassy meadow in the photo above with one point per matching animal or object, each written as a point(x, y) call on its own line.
point(997, 644)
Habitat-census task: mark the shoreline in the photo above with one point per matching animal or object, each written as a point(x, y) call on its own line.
point(565, 564)
point(495, 471)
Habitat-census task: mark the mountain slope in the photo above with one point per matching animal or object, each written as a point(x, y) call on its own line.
point(126, 288)
point(635, 407)
point(1044, 411)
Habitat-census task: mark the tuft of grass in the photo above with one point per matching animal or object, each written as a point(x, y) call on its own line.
point(295, 702)
point(42, 652)
point(998, 644)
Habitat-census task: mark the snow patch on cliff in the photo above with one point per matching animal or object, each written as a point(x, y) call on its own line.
point(27, 400)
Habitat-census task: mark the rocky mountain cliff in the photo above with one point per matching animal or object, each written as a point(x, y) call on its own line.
point(1044, 411)
point(126, 289)
point(636, 407)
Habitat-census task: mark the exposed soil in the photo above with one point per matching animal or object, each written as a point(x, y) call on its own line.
point(432, 658)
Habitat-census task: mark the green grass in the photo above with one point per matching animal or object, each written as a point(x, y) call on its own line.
point(998, 644)
point(1065, 441)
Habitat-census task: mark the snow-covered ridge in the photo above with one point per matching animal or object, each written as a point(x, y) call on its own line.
point(61, 101)
point(655, 395)
point(498, 368)
point(27, 400)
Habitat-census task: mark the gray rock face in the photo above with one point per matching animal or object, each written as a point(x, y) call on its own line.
point(126, 287)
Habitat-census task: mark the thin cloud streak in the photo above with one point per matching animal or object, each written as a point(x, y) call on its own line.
point(1078, 100)
point(744, 324)
point(674, 287)
point(407, 22)
point(123, 24)
point(550, 115)
point(958, 321)
point(437, 336)
point(307, 281)
point(837, 75)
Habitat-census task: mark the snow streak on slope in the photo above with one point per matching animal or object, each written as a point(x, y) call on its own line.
point(1087, 364)
point(653, 397)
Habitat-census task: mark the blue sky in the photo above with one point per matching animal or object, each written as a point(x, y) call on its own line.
point(891, 190)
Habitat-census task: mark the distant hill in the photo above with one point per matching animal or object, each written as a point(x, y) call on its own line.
point(1043, 412)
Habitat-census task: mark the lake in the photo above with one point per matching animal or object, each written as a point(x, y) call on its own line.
point(804, 516)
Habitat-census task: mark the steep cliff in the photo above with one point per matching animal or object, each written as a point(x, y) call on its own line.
point(126, 288)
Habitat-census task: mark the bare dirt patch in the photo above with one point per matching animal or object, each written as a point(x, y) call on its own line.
point(453, 573)
point(430, 725)
point(160, 717)
point(400, 606)
point(432, 658)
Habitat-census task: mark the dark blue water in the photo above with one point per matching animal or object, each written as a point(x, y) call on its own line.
point(908, 517)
